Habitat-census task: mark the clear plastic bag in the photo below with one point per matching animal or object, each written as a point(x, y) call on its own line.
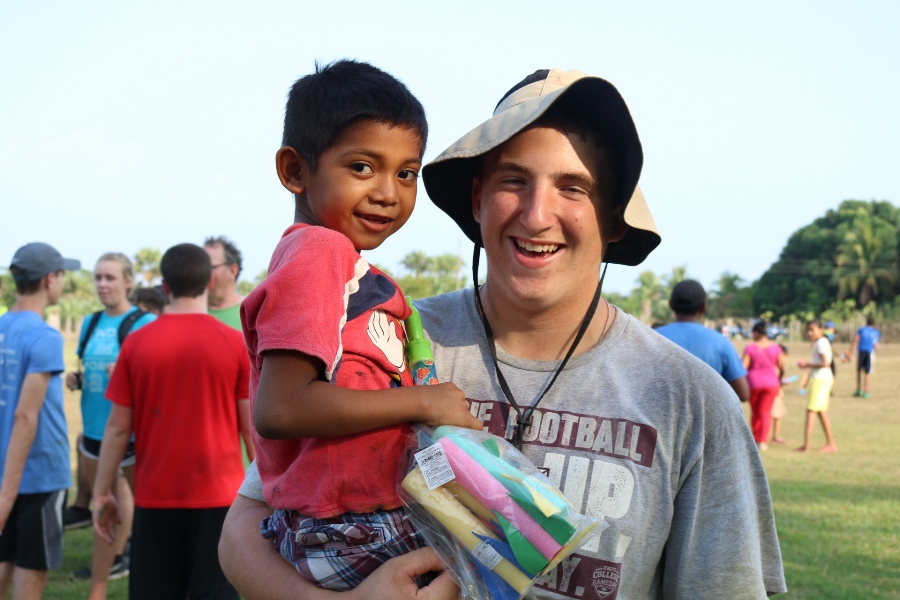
point(496, 521)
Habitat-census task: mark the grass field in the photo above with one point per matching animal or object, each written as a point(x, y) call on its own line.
point(838, 514)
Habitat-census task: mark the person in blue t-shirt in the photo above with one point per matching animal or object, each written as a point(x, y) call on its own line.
point(688, 302)
point(34, 440)
point(866, 342)
point(113, 278)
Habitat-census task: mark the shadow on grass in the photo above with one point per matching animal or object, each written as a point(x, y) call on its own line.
point(839, 541)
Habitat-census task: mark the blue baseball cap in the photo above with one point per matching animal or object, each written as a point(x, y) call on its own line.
point(37, 259)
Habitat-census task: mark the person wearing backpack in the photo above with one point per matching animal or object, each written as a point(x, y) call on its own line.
point(101, 337)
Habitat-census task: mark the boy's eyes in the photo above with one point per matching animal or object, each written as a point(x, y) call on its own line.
point(361, 168)
point(408, 175)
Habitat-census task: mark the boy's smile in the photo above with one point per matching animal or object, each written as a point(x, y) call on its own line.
point(364, 186)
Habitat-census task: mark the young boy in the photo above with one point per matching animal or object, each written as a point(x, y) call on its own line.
point(34, 441)
point(821, 380)
point(324, 331)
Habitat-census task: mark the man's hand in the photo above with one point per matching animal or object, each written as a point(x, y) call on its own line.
point(447, 405)
point(394, 580)
point(72, 380)
point(110, 368)
point(106, 516)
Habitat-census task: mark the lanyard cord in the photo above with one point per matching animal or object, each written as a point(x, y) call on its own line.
point(524, 420)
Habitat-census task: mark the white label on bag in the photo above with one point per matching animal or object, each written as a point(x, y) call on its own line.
point(435, 467)
point(486, 555)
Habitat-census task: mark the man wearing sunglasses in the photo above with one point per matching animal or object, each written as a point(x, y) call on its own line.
point(227, 262)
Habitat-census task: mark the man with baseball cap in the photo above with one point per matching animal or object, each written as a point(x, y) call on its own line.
point(688, 302)
point(34, 440)
point(647, 439)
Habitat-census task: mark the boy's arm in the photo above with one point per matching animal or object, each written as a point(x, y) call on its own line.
point(243, 411)
point(112, 451)
point(293, 402)
point(25, 422)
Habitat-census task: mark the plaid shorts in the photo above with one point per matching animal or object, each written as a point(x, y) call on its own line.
point(338, 553)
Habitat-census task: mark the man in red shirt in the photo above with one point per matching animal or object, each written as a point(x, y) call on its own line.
point(180, 386)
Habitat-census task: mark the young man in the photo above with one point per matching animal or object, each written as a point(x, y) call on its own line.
point(688, 302)
point(181, 386)
point(227, 262)
point(866, 342)
point(34, 440)
point(647, 439)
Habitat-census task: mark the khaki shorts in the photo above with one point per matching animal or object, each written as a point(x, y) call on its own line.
point(819, 394)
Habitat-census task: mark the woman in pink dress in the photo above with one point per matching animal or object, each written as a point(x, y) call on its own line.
point(764, 362)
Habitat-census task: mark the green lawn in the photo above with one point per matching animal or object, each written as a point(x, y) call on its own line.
point(838, 514)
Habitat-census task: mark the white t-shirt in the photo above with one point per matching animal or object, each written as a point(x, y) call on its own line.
point(822, 354)
point(640, 433)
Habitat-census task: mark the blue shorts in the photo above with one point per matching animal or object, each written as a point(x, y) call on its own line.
point(338, 553)
point(864, 362)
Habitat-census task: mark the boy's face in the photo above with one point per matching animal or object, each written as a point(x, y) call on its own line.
point(543, 222)
point(365, 185)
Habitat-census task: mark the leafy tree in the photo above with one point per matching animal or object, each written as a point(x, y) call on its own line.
point(244, 287)
point(650, 296)
point(430, 275)
point(730, 298)
point(146, 263)
point(8, 287)
point(803, 279)
point(866, 259)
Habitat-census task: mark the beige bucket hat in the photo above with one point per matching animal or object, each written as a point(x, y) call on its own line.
point(448, 178)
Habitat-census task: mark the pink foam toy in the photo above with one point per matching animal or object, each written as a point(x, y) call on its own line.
point(493, 495)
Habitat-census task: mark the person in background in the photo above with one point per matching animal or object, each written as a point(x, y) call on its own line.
point(866, 341)
point(150, 300)
point(779, 408)
point(34, 439)
point(821, 380)
point(98, 349)
point(765, 367)
point(688, 302)
point(181, 386)
point(227, 262)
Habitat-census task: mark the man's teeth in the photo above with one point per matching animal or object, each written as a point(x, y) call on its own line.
point(537, 247)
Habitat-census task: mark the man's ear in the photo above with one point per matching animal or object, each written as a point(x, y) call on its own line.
point(166, 289)
point(618, 227)
point(292, 169)
point(476, 199)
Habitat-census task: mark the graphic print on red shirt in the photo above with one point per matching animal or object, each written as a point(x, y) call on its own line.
point(321, 298)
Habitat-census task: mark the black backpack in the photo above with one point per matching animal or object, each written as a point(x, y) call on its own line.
point(124, 328)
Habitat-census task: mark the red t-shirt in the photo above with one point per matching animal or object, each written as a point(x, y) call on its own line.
point(323, 299)
point(183, 375)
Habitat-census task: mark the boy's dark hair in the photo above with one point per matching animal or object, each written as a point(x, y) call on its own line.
point(870, 321)
point(233, 256)
point(152, 298)
point(25, 288)
point(186, 269)
point(322, 105)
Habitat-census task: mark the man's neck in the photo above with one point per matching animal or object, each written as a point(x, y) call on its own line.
point(231, 298)
point(544, 333)
point(188, 306)
point(36, 303)
point(698, 318)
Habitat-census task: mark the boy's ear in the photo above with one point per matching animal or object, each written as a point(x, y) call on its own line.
point(291, 169)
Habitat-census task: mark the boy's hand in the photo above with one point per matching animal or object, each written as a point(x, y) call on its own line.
point(447, 405)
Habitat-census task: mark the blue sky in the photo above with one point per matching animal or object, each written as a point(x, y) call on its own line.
point(131, 124)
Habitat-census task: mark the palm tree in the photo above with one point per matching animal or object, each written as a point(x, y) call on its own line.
point(417, 262)
point(866, 260)
point(649, 294)
point(146, 262)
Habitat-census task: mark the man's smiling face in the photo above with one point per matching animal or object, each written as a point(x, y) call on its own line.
point(544, 221)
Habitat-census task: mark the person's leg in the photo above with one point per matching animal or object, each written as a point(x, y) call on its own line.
point(755, 425)
point(776, 431)
point(829, 446)
point(859, 370)
point(105, 554)
point(868, 382)
point(85, 486)
point(159, 557)
point(807, 434)
point(28, 584)
point(6, 577)
point(766, 400)
point(207, 581)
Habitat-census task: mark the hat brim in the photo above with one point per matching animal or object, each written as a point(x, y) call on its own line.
point(448, 178)
point(71, 264)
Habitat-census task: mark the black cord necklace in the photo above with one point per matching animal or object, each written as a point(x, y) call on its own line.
point(524, 417)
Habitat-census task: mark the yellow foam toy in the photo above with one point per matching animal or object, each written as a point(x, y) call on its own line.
point(457, 519)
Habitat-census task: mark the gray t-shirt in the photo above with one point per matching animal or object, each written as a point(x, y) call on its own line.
point(640, 433)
